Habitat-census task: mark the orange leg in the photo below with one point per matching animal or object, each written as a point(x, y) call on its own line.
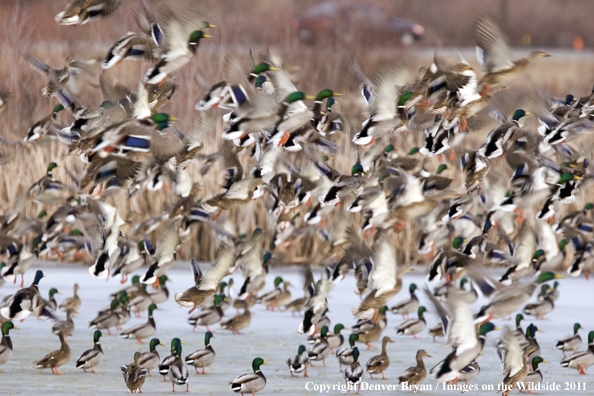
point(452, 155)
point(581, 369)
point(139, 341)
point(124, 279)
point(305, 373)
point(93, 368)
point(520, 214)
point(383, 375)
point(217, 215)
point(203, 372)
point(369, 346)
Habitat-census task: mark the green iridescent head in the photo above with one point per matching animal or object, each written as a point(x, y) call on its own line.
point(536, 361)
point(153, 344)
point(566, 177)
point(260, 81)
point(6, 326)
point(123, 298)
point(51, 166)
point(383, 310)
point(538, 254)
point(457, 243)
point(53, 291)
point(38, 276)
point(151, 308)
point(486, 328)
point(413, 151)
point(159, 118)
point(441, 168)
point(589, 206)
point(591, 338)
point(338, 328)
point(412, 288)
point(325, 94)
point(352, 338)
point(562, 244)
point(357, 170)
point(58, 108)
point(389, 148)
point(96, 335)
point(518, 114)
point(222, 286)
point(218, 299)
point(421, 311)
point(256, 363)
point(324, 332)
point(576, 327)
point(196, 35)
point(277, 281)
point(405, 97)
point(207, 336)
point(519, 319)
point(301, 349)
point(295, 97)
point(176, 348)
point(547, 276)
point(531, 330)
point(330, 102)
point(263, 67)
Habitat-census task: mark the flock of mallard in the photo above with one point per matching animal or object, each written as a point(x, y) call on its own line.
point(129, 145)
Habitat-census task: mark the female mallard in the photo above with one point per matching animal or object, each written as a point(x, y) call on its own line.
point(253, 383)
point(207, 317)
point(534, 378)
point(6, 344)
point(354, 373)
point(416, 374)
point(134, 375)
point(539, 308)
point(73, 302)
point(299, 362)
point(437, 331)
point(208, 284)
point(57, 358)
point(571, 343)
point(91, 357)
point(202, 357)
point(320, 350)
point(142, 330)
point(514, 359)
point(81, 12)
point(581, 360)
point(475, 167)
point(379, 363)
point(345, 354)
point(409, 306)
point(178, 372)
point(65, 327)
point(150, 360)
point(414, 326)
point(238, 322)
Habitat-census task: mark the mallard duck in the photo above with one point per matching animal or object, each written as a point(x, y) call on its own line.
point(208, 284)
point(514, 360)
point(111, 318)
point(407, 306)
point(141, 302)
point(354, 373)
point(45, 127)
point(202, 357)
point(436, 331)
point(57, 358)
point(57, 77)
point(320, 350)
point(581, 360)
point(539, 308)
point(6, 343)
point(179, 45)
point(498, 139)
point(238, 322)
point(65, 327)
point(475, 167)
point(26, 300)
point(271, 295)
point(52, 300)
point(142, 330)
point(91, 357)
point(414, 326)
point(178, 372)
point(371, 331)
point(47, 182)
point(129, 260)
point(166, 362)
point(150, 360)
point(79, 12)
point(571, 343)
point(207, 317)
point(73, 302)
point(247, 383)
point(299, 362)
point(469, 372)
point(379, 363)
point(134, 375)
point(519, 332)
point(416, 374)
point(534, 378)
point(162, 294)
point(495, 55)
point(505, 300)
point(385, 279)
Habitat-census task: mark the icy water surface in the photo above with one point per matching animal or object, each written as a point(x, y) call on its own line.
point(272, 336)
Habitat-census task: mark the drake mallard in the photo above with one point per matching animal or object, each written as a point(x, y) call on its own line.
point(379, 363)
point(514, 360)
point(45, 127)
point(111, 318)
point(571, 343)
point(581, 360)
point(134, 375)
point(25, 301)
point(416, 374)
point(91, 357)
point(414, 326)
point(144, 330)
point(354, 373)
point(247, 383)
point(166, 362)
point(178, 372)
point(539, 308)
point(6, 343)
point(202, 357)
point(407, 306)
point(57, 358)
point(320, 350)
point(299, 362)
point(534, 377)
point(73, 302)
point(150, 360)
point(208, 316)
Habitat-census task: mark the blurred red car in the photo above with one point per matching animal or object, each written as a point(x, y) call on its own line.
point(330, 18)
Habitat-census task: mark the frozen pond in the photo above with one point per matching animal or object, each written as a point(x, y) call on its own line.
point(272, 336)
